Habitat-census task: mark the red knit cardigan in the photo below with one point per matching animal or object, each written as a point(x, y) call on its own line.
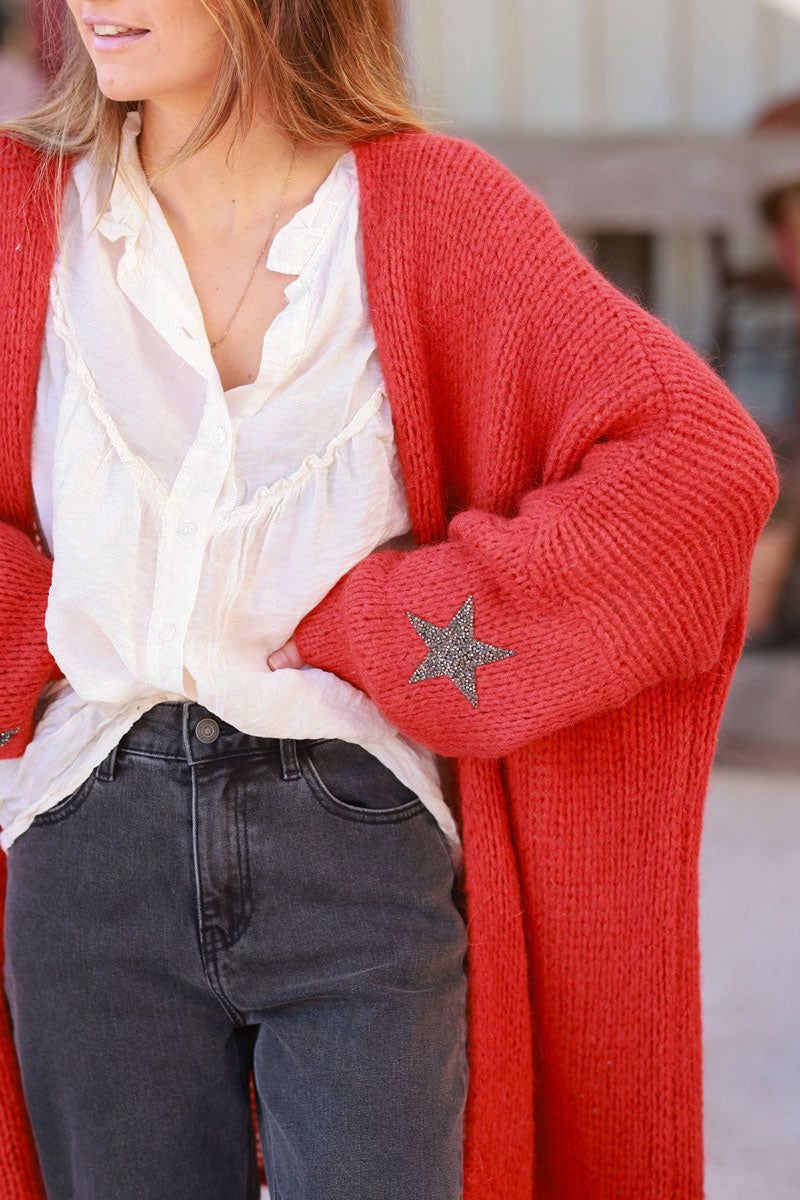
point(589, 481)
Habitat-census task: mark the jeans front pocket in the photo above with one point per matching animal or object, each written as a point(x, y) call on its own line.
point(350, 782)
point(69, 805)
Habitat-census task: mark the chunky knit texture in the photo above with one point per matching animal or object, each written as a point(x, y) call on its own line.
point(588, 479)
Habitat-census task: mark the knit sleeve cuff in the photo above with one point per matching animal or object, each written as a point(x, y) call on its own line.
point(321, 638)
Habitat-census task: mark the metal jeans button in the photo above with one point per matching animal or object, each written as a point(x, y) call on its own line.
point(207, 730)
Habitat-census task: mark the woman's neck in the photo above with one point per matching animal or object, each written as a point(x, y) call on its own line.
point(224, 189)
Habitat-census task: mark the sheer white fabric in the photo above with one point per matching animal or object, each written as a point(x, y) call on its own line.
point(192, 528)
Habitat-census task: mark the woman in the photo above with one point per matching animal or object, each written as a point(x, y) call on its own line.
point(235, 692)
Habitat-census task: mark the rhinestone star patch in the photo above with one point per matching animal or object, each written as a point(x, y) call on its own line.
point(454, 651)
point(7, 736)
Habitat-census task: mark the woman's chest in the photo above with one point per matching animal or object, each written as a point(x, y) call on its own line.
point(238, 299)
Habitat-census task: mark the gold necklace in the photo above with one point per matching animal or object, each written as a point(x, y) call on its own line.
point(260, 255)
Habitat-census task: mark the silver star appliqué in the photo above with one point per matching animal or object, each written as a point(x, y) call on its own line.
point(454, 651)
point(7, 736)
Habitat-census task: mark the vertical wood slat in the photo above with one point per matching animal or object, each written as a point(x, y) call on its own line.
point(514, 63)
point(681, 52)
point(788, 66)
point(767, 50)
point(424, 52)
point(595, 63)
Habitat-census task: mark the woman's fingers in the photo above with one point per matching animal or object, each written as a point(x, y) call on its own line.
point(286, 655)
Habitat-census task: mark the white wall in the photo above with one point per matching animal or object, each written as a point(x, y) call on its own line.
point(603, 65)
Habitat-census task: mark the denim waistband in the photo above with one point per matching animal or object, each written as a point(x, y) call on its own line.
point(186, 730)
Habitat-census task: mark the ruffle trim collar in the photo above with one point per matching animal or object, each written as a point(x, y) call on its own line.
point(131, 201)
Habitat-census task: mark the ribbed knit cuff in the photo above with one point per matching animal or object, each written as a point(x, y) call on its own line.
point(321, 637)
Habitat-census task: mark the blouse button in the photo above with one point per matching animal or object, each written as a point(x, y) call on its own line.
point(167, 631)
point(188, 529)
point(219, 436)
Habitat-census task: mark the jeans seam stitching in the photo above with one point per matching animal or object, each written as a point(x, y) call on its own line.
point(272, 1181)
point(183, 758)
point(69, 805)
point(368, 816)
point(245, 913)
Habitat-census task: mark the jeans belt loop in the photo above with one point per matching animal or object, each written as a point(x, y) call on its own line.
point(290, 767)
point(107, 769)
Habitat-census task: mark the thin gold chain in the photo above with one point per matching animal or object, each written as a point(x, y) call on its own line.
point(260, 254)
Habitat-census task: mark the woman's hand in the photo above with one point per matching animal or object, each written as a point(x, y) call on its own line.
point(286, 655)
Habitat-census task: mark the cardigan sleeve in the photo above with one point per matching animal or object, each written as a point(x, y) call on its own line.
point(26, 663)
point(621, 569)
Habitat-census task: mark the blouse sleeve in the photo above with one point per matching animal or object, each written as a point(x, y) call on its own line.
point(621, 570)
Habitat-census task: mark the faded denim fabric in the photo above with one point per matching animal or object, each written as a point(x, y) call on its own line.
point(207, 902)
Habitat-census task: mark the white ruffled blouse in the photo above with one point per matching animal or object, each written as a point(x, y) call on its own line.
point(191, 528)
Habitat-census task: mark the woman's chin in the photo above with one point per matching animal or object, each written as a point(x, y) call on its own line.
point(119, 95)
point(118, 89)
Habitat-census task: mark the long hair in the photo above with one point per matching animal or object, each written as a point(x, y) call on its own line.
point(332, 71)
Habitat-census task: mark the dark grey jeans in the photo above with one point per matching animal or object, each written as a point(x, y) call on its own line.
point(208, 902)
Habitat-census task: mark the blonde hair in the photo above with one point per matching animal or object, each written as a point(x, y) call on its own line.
point(333, 71)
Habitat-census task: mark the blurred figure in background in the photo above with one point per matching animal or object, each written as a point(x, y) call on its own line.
point(20, 77)
point(774, 616)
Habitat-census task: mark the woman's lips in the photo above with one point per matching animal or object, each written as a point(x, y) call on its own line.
point(115, 41)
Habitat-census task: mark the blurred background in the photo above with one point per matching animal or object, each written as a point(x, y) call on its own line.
point(664, 135)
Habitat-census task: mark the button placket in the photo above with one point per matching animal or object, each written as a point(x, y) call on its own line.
point(181, 551)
